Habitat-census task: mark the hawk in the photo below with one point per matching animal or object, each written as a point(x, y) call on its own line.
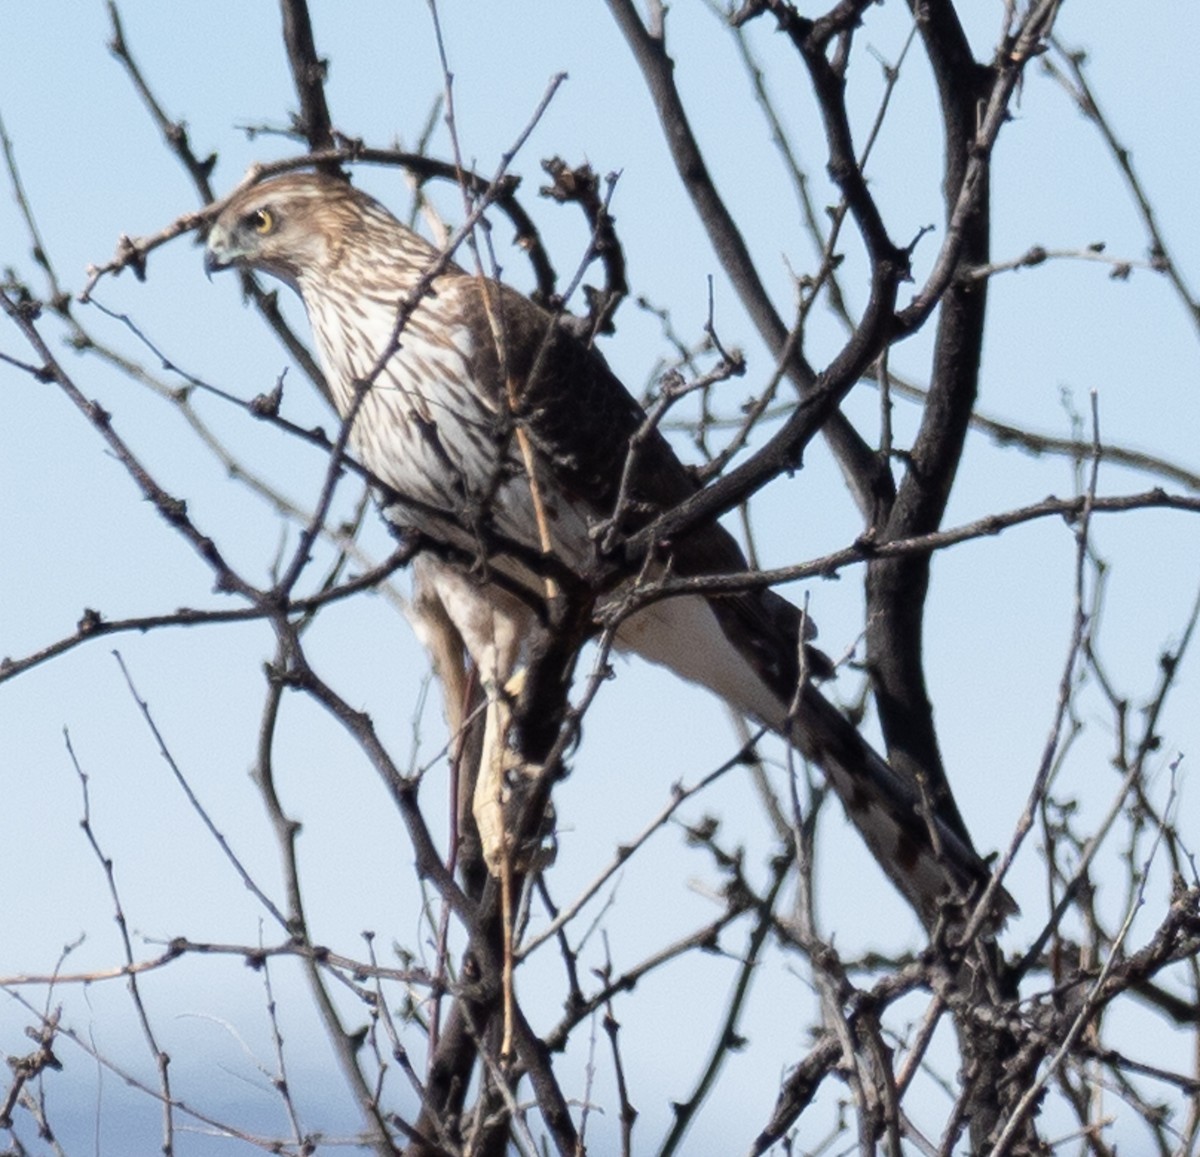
point(508, 441)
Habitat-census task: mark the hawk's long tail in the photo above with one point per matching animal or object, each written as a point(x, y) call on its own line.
point(923, 855)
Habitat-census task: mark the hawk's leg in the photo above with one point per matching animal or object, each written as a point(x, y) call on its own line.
point(500, 772)
point(457, 612)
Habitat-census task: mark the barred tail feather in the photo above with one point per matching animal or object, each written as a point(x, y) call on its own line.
point(927, 861)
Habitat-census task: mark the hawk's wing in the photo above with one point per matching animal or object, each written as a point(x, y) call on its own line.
point(582, 421)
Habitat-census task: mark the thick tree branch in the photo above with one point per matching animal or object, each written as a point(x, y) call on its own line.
point(657, 67)
point(308, 75)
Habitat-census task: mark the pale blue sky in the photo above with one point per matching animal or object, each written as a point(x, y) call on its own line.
point(76, 535)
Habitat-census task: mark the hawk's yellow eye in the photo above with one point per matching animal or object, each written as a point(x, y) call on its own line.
point(262, 221)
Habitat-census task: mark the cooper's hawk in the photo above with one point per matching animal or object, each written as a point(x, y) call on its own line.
point(506, 439)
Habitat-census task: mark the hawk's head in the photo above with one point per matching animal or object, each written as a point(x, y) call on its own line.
point(290, 227)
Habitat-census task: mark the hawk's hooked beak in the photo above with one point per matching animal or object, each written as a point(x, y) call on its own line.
point(218, 251)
